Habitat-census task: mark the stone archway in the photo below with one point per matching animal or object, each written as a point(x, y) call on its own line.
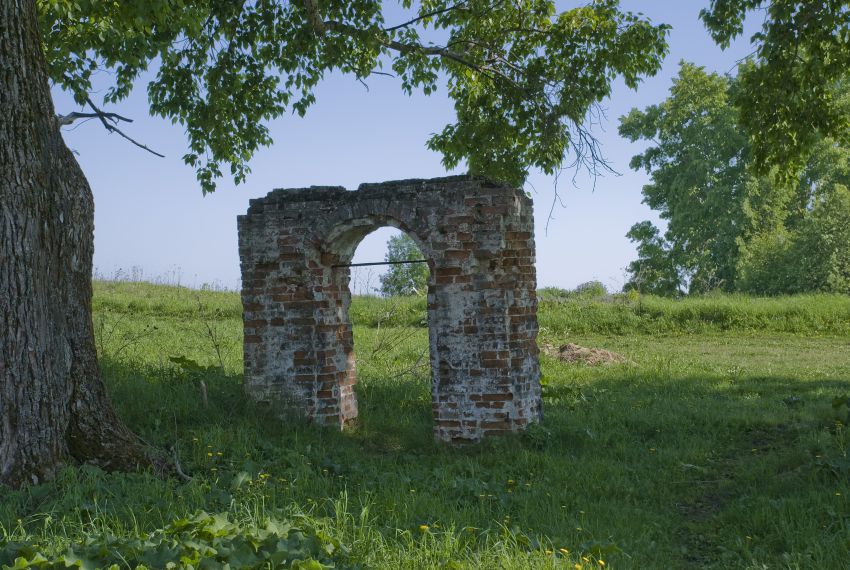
point(478, 237)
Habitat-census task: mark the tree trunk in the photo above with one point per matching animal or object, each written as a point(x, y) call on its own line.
point(53, 406)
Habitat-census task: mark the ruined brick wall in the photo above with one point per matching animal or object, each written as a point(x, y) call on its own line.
point(478, 238)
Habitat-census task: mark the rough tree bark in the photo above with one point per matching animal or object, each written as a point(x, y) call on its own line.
point(53, 406)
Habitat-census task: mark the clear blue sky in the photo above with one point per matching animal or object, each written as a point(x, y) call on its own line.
point(150, 214)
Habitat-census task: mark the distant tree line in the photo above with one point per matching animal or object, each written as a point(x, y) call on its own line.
point(732, 225)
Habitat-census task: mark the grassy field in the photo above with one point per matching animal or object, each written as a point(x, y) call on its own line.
point(721, 443)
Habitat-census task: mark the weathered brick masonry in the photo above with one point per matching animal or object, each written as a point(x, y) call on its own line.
point(478, 238)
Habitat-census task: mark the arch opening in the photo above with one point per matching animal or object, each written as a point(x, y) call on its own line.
point(388, 312)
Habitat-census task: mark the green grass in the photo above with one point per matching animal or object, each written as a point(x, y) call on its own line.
point(562, 313)
point(716, 445)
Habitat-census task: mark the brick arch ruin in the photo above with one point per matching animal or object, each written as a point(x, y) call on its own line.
point(478, 238)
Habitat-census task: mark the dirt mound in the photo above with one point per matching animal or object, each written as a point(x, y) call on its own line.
point(574, 353)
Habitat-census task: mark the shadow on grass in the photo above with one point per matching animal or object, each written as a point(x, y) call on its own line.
point(394, 415)
point(635, 462)
point(162, 402)
point(623, 407)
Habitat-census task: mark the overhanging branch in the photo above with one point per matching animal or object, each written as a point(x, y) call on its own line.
point(113, 129)
point(321, 27)
point(70, 118)
point(426, 15)
point(495, 66)
point(109, 121)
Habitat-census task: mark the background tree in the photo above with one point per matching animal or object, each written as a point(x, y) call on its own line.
point(654, 271)
point(522, 77)
point(787, 97)
point(407, 278)
point(728, 227)
point(698, 169)
point(810, 249)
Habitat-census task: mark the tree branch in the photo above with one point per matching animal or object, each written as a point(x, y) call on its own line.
point(433, 50)
point(106, 117)
point(314, 17)
point(70, 118)
point(321, 27)
point(426, 15)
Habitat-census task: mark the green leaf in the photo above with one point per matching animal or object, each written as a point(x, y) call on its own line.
point(522, 79)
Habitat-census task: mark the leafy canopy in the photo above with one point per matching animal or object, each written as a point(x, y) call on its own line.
point(522, 77)
point(788, 98)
